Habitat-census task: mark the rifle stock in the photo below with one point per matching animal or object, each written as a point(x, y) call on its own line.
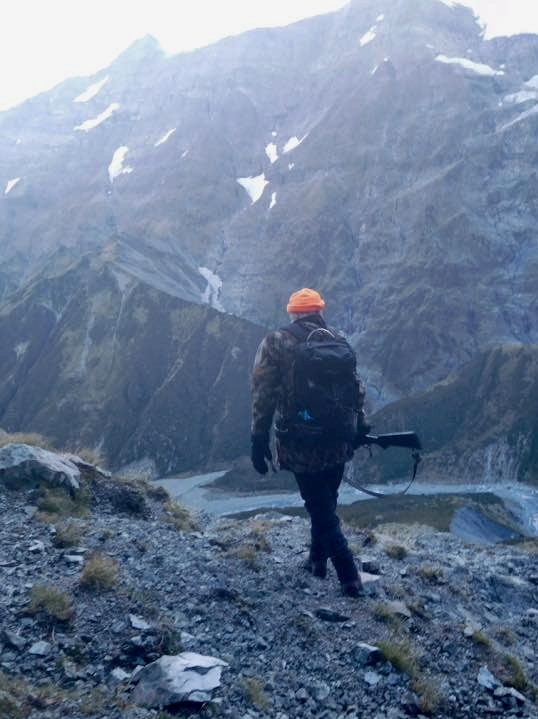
point(409, 440)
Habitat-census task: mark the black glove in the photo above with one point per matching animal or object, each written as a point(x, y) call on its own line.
point(260, 452)
point(362, 430)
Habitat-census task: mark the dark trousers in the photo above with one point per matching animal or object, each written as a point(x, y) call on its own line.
point(319, 491)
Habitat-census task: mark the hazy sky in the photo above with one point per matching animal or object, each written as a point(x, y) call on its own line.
point(44, 41)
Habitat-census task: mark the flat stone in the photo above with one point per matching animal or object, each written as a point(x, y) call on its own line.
point(487, 680)
point(120, 675)
point(186, 677)
point(366, 654)
point(330, 615)
point(372, 678)
point(400, 608)
point(37, 546)
point(509, 692)
point(13, 640)
point(138, 623)
point(74, 559)
point(41, 648)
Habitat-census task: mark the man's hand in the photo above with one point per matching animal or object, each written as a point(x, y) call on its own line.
point(260, 452)
point(362, 430)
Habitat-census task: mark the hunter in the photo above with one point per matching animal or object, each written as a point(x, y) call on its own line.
point(316, 454)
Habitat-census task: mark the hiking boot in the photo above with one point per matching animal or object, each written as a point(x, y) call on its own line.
point(352, 589)
point(317, 568)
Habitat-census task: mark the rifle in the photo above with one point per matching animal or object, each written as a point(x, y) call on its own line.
point(408, 440)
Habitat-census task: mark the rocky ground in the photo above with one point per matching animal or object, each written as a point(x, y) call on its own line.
point(96, 587)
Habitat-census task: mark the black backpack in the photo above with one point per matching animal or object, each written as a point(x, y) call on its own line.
point(323, 406)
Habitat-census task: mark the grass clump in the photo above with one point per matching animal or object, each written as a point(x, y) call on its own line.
point(67, 535)
point(56, 503)
point(100, 573)
point(179, 516)
point(429, 694)
point(91, 456)
point(32, 438)
point(253, 689)
point(482, 640)
point(431, 573)
point(50, 602)
point(512, 673)
point(400, 655)
point(396, 551)
point(384, 613)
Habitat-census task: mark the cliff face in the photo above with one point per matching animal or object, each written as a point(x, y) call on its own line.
point(384, 154)
point(94, 357)
point(480, 426)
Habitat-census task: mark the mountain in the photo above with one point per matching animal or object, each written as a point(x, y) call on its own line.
point(479, 426)
point(384, 154)
point(93, 357)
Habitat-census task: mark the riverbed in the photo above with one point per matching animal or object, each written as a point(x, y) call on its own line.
point(520, 500)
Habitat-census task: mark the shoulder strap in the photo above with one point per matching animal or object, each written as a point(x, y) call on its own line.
point(300, 333)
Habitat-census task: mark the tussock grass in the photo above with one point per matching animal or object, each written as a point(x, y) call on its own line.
point(100, 573)
point(429, 693)
point(56, 502)
point(431, 573)
point(179, 516)
point(253, 689)
point(32, 438)
point(50, 602)
point(400, 654)
point(67, 535)
point(482, 640)
point(396, 551)
point(91, 456)
point(383, 613)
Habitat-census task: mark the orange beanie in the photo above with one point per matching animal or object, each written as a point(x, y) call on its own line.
point(305, 300)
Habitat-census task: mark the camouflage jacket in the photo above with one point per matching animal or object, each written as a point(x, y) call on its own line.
point(271, 389)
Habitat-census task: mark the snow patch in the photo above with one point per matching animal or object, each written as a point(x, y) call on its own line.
point(291, 165)
point(19, 140)
point(116, 167)
point(184, 153)
point(273, 201)
point(293, 142)
point(274, 133)
point(88, 125)
point(11, 184)
point(449, 3)
point(254, 186)
point(523, 96)
point(271, 151)
point(211, 294)
point(91, 91)
point(477, 67)
point(368, 36)
point(520, 118)
point(21, 348)
point(165, 137)
point(533, 82)
point(380, 18)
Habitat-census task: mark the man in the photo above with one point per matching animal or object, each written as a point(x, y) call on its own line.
point(316, 459)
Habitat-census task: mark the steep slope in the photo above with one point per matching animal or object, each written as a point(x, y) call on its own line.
point(93, 357)
point(479, 426)
point(398, 151)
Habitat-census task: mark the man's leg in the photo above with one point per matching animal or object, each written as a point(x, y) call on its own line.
point(319, 491)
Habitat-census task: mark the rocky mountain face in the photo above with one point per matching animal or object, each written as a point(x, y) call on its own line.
point(96, 358)
point(479, 426)
point(115, 604)
point(384, 154)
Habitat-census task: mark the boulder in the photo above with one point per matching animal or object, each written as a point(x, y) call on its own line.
point(186, 677)
point(22, 466)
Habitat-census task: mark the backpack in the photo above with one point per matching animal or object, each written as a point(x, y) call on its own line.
point(323, 406)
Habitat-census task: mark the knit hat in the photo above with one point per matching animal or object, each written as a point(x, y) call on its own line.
point(305, 300)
